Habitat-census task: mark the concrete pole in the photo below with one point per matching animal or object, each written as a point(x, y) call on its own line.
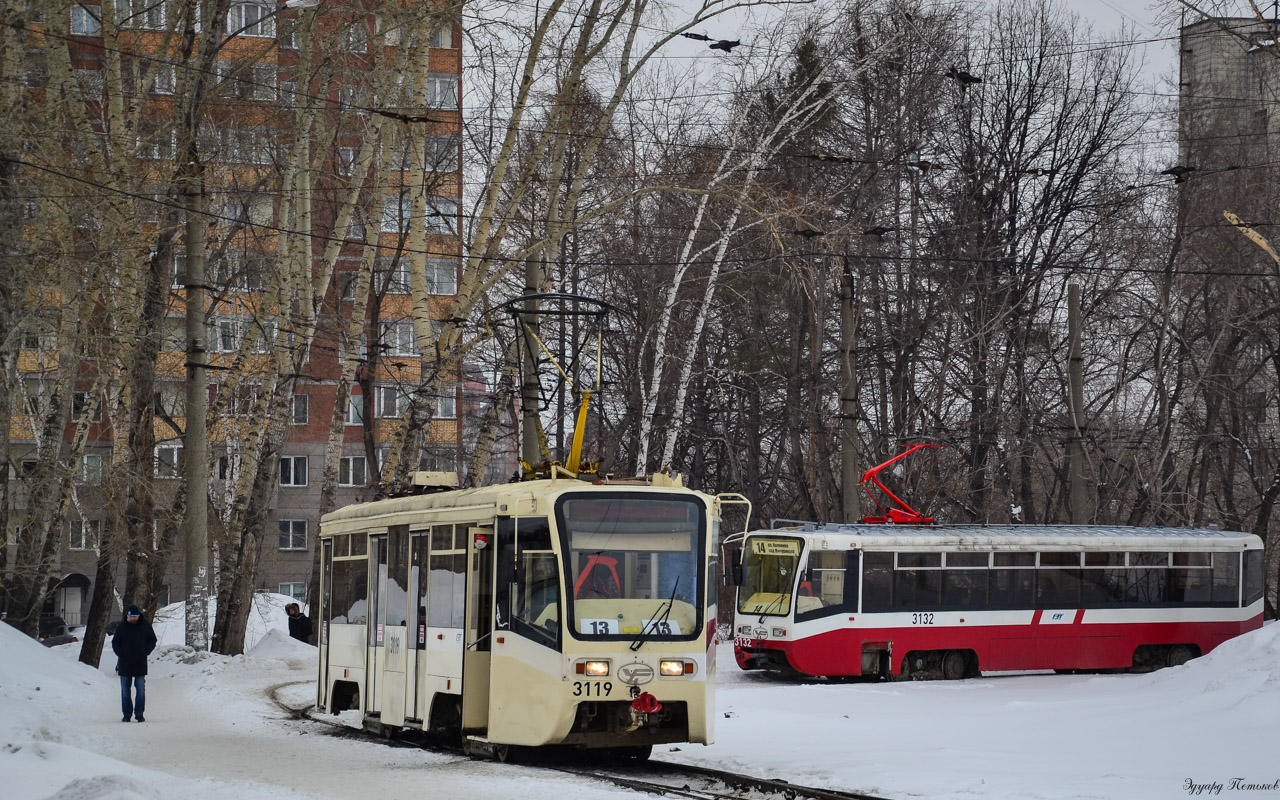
point(1075, 378)
point(848, 404)
point(530, 443)
point(195, 441)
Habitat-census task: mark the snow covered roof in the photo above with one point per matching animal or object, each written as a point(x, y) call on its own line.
point(1016, 536)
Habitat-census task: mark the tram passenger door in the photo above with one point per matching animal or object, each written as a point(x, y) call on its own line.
point(417, 699)
point(375, 627)
point(479, 626)
point(393, 611)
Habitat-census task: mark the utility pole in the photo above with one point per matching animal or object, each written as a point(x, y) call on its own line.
point(848, 402)
point(1075, 439)
point(530, 442)
point(195, 526)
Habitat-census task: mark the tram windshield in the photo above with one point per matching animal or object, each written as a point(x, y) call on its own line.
point(635, 565)
point(768, 576)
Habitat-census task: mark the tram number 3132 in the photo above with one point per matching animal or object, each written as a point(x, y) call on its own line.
point(592, 688)
point(922, 619)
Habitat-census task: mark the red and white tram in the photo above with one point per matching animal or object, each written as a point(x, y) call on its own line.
point(953, 600)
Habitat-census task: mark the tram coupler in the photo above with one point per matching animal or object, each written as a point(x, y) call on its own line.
point(644, 705)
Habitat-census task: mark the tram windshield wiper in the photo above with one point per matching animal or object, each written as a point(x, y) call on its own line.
point(777, 601)
point(663, 613)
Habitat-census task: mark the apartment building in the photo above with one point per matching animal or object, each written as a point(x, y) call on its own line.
point(357, 76)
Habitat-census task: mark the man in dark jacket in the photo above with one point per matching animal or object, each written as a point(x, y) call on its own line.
point(132, 643)
point(299, 623)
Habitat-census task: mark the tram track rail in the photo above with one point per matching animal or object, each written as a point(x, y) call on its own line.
point(653, 777)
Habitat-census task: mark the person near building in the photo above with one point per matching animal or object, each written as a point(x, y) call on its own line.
point(299, 623)
point(133, 641)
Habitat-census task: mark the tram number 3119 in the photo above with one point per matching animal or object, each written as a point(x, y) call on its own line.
point(592, 688)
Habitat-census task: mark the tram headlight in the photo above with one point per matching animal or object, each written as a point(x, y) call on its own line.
point(673, 669)
point(596, 669)
point(779, 633)
point(745, 630)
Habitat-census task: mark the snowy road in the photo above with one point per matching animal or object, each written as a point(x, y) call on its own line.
point(212, 734)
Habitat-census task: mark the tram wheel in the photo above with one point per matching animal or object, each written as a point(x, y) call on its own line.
point(641, 753)
point(502, 753)
point(1179, 654)
point(953, 665)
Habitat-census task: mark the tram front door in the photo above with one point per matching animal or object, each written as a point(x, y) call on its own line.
point(479, 626)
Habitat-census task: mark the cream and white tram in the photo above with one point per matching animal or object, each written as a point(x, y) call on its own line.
point(546, 612)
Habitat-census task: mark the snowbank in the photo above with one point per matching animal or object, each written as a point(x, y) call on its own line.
point(213, 732)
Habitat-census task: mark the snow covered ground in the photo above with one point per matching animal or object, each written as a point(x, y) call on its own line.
point(212, 733)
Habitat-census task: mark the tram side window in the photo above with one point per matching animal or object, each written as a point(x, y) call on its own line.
point(534, 581)
point(1191, 578)
point(1058, 580)
point(1102, 581)
point(1253, 580)
point(446, 595)
point(877, 582)
point(418, 577)
point(917, 581)
point(350, 598)
point(965, 581)
point(1148, 578)
point(1013, 580)
point(1226, 579)
point(827, 587)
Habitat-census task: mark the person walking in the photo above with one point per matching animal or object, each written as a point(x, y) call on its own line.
point(133, 641)
point(299, 623)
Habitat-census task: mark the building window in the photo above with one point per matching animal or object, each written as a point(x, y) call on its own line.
point(442, 216)
point(396, 271)
point(143, 14)
point(442, 92)
point(301, 410)
point(288, 94)
point(442, 39)
point(355, 39)
point(85, 534)
point(81, 403)
point(90, 81)
point(356, 229)
point(344, 344)
point(447, 402)
point(166, 80)
point(288, 34)
point(168, 461)
point(396, 338)
point(442, 154)
point(297, 590)
point(293, 470)
point(442, 276)
point(90, 470)
point(346, 161)
point(347, 284)
point(355, 409)
point(247, 82)
point(226, 335)
point(395, 214)
point(389, 402)
point(293, 534)
point(250, 19)
point(86, 20)
point(352, 471)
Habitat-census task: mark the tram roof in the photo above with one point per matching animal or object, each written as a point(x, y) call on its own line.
point(517, 499)
point(1013, 536)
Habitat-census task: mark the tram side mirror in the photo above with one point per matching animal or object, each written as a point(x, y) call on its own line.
point(733, 573)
